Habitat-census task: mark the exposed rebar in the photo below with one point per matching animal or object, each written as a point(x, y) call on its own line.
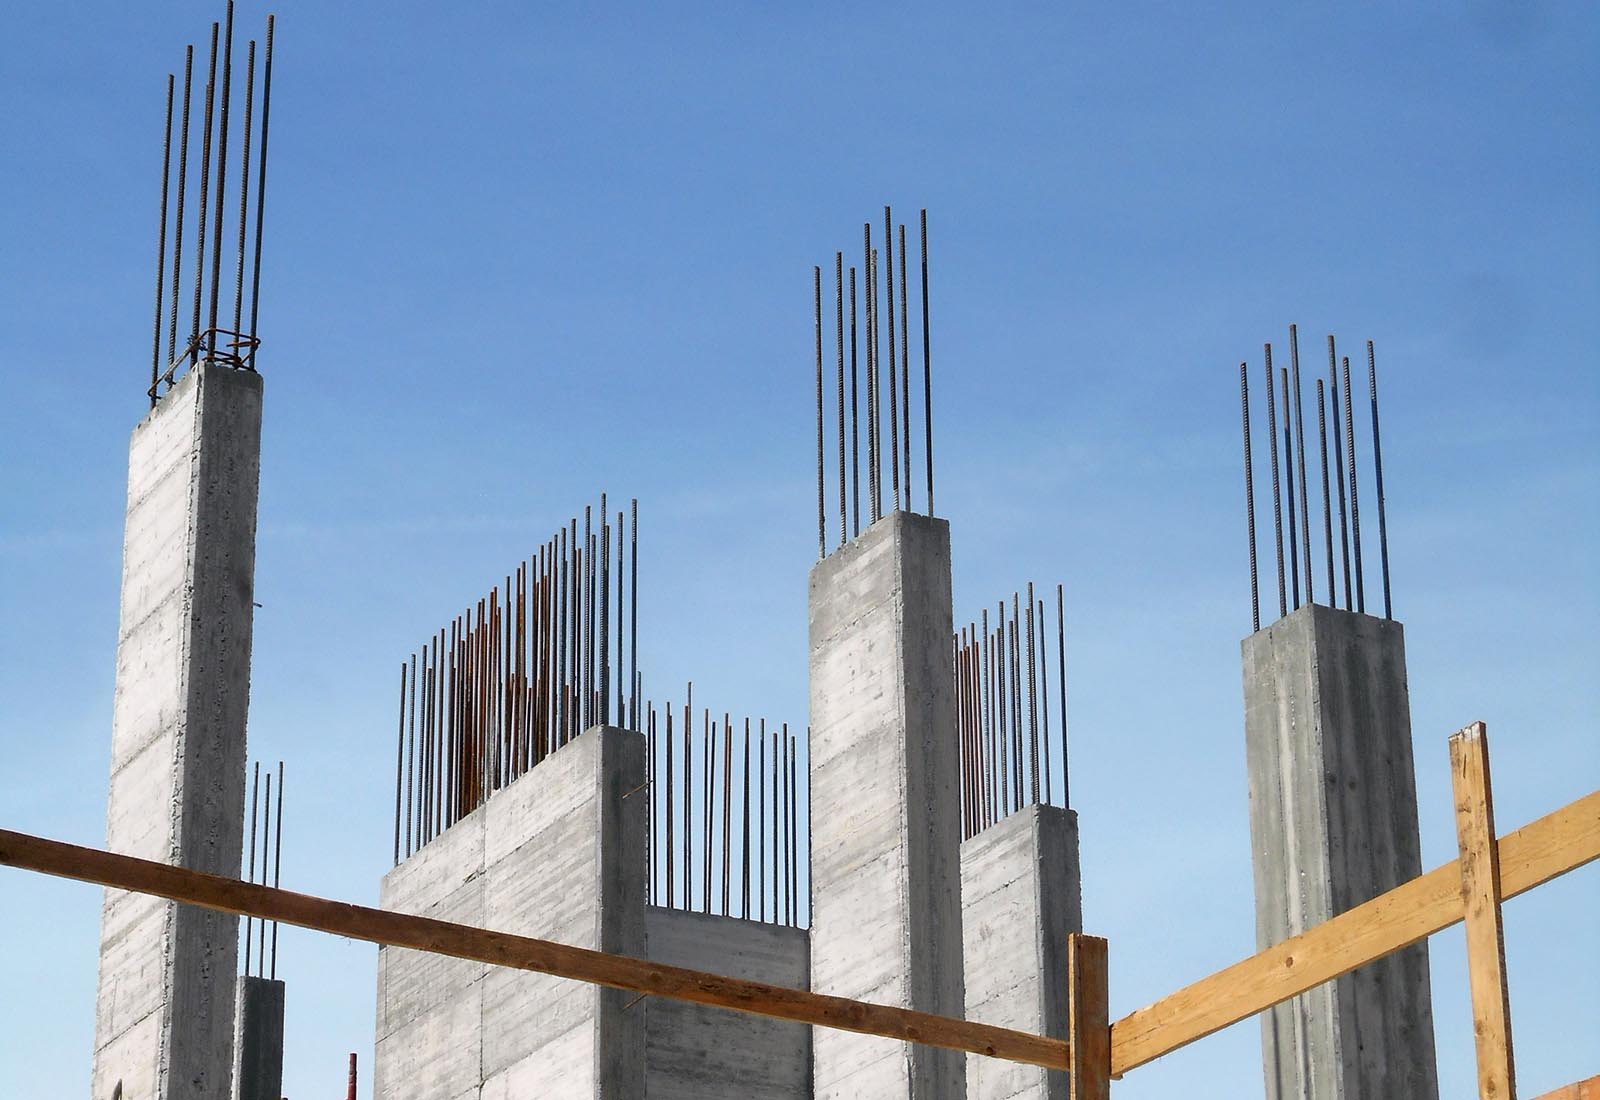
point(1377, 469)
point(161, 245)
point(1277, 491)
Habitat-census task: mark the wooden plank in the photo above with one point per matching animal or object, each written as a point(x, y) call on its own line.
point(523, 953)
point(1480, 903)
point(1534, 854)
point(1578, 1090)
point(1088, 1019)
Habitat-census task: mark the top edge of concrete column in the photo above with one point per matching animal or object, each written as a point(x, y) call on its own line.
point(1323, 614)
point(894, 525)
point(1039, 815)
point(208, 373)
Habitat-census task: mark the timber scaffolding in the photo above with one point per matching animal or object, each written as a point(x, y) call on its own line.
point(1469, 889)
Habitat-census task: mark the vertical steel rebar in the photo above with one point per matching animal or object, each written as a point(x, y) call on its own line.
point(1338, 469)
point(727, 814)
point(927, 368)
point(244, 195)
point(1288, 458)
point(1327, 492)
point(1044, 702)
point(744, 825)
point(1355, 503)
point(822, 510)
point(161, 245)
point(855, 445)
point(222, 173)
point(838, 343)
point(266, 833)
point(177, 228)
point(277, 871)
point(261, 194)
point(411, 754)
point(201, 223)
point(894, 401)
point(1249, 496)
point(1300, 462)
point(905, 370)
point(1377, 469)
point(255, 802)
point(1061, 656)
point(870, 287)
point(669, 816)
point(1033, 709)
point(1277, 490)
point(605, 614)
point(633, 604)
point(761, 823)
point(399, 763)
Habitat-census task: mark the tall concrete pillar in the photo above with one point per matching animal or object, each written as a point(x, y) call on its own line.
point(885, 870)
point(1020, 897)
point(165, 1004)
point(558, 854)
point(1333, 823)
point(258, 1040)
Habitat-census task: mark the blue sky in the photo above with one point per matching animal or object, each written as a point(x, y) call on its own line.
point(519, 254)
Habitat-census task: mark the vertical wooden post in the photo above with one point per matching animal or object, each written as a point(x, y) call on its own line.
point(1088, 1019)
point(1480, 898)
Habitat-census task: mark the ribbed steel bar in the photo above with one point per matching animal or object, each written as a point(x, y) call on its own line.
point(855, 444)
point(255, 803)
point(1355, 503)
point(1277, 490)
point(1033, 708)
point(1300, 462)
point(927, 368)
point(727, 814)
point(1327, 492)
point(761, 823)
point(1017, 730)
point(688, 798)
point(633, 606)
point(1288, 458)
point(905, 371)
point(1338, 470)
point(894, 400)
point(201, 223)
point(1044, 702)
point(1249, 496)
point(838, 343)
point(605, 615)
point(411, 760)
point(986, 659)
point(266, 833)
point(1061, 657)
point(161, 245)
point(177, 228)
point(1377, 469)
point(708, 808)
point(776, 849)
point(874, 464)
point(1002, 739)
point(277, 871)
point(669, 816)
point(822, 510)
point(244, 195)
point(399, 763)
point(261, 194)
point(222, 172)
point(744, 824)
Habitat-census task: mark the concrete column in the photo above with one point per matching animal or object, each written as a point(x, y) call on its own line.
point(885, 874)
point(165, 1004)
point(1020, 896)
point(696, 1052)
point(558, 854)
point(258, 1040)
point(1333, 823)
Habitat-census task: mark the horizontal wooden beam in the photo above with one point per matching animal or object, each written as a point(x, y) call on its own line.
point(1578, 1090)
point(359, 922)
point(1530, 856)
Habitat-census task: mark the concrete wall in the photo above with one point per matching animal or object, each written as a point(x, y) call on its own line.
point(886, 890)
point(1333, 823)
point(558, 854)
point(695, 1052)
point(258, 1040)
point(165, 1004)
point(1020, 896)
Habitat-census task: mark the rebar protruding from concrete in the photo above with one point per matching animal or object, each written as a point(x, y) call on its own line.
point(1033, 706)
point(822, 512)
point(894, 401)
point(161, 244)
point(201, 225)
point(1277, 488)
point(1044, 704)
point(1377, 466)
point(255, 803)
point(927, 367)
point(177, 226)
point(1061, 683)
point(1288, 458)
point(838, 344)
point(905, 370)
point(261, 195)
point(244, 193)
point(1327, 496)
point(277, 870)
point(1249, 496)
point(222, 172)
point(1355, 504)
point(1300, 463)
point(350, 1088)
point(855, 444)
point(1338, 471)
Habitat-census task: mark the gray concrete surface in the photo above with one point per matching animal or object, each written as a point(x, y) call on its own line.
point(696, 1052)
point(258, 1040)
point(1333, 823)
point(558, 854)
point(164, 1008)
point(886, 889)
point(1020, 896)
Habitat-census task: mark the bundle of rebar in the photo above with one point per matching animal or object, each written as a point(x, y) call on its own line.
point(1296, 574)
point(271, 871)
point(878, 295)
point(729, 826)
point(208, 338)
point(535, 663)
point(1002, 679)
